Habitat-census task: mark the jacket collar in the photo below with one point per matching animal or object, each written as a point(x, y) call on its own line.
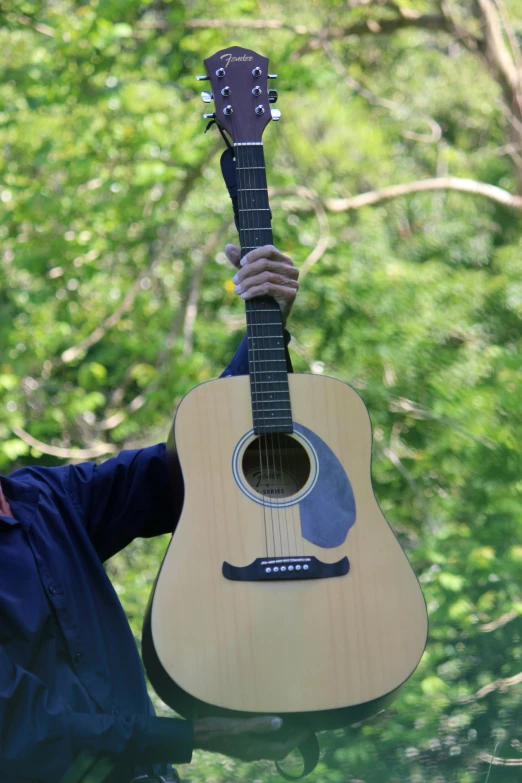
point(20, 496)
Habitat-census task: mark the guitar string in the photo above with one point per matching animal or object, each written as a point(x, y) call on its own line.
point(275, 439)
point(254, 232)
point(265, 340)
point(243, 200)
point(283, 510)
point(272, 439)
point(272, 450)
point(257, 181)
point(275, 358)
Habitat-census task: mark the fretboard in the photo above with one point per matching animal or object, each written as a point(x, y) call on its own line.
point(266, 348)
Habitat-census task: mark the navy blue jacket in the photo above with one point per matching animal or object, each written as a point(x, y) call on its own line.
point(72, 687)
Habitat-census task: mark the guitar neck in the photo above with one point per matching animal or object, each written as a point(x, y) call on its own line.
point(266, 348)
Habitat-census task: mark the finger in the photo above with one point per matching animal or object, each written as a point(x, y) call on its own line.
point(265, 265)
point(233, 253)
point(266, 251)
point(267, 284)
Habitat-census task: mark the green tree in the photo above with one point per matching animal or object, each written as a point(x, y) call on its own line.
point(396, 182)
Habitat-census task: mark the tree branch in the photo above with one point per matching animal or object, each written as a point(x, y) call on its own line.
point(498, 761)
point(491, 687)
point(394, 191)
point(77, 350)
point(499, 622)
point(496, 52)
point(436, 131)
point(191, 310)
point(96, 450)
point(72, 353)
point(436, 183)
point(408, 18)
point(322, 243)
point(44, 29)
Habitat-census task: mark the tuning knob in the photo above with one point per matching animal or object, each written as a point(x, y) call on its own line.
point(206, 97)
point(209, 116)
point(272, 96)
point(276, 114)
point(202, 78)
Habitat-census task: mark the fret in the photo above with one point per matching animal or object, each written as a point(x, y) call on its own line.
point(271, 323)
point(270, 382)
point(268, 373)
point(279, 426)
point(255, 228)
point(272, 361)
point(271, 418)
point(281, 409)
point(248, 168)
point(254, 209)
point(251, 190)
point(271, 401)
point(270, 392)
point(268, 349)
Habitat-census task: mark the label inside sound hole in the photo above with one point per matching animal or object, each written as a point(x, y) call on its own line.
point(275, 469)
point(272, 482)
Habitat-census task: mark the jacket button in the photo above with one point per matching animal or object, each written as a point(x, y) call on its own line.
point(78, 657)
point(115, 711)
point(52, 589)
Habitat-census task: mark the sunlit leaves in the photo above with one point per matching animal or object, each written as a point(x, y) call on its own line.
point(108, 182)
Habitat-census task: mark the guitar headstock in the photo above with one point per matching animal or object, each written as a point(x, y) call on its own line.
point(239, 79)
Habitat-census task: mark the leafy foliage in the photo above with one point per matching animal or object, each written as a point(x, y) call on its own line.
point(114, 220)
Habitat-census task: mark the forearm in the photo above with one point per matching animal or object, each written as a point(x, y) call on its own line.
point(41, 737)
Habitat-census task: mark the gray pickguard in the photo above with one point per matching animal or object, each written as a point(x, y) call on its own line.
point(328, 511)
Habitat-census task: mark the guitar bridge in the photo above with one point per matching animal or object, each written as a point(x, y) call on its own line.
point(269, 569)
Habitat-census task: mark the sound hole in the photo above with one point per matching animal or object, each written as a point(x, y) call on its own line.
point(276, 465)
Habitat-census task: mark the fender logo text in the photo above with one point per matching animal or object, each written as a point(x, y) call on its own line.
point(243, 58)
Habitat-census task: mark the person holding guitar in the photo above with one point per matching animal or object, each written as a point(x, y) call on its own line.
point(73, 698)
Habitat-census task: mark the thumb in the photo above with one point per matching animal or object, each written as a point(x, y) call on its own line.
point(263, 724)
point(233, 253)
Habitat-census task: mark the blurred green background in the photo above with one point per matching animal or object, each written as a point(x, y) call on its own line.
point(116, 298)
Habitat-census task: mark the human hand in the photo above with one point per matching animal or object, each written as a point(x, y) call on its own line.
point(248, 739)
point(265, 271)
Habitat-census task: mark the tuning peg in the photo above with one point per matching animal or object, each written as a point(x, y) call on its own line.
point(202, 78)
point(272, 96)
point(276, 114)
point(206, 97)
point(272, 75)
point(209, 116)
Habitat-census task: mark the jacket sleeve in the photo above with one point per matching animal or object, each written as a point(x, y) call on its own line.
point(126, 497)
point(41, 738)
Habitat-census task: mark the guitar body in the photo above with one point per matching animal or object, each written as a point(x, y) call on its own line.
point(329, 651)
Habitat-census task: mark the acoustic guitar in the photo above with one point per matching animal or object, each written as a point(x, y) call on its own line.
point(284, 590)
